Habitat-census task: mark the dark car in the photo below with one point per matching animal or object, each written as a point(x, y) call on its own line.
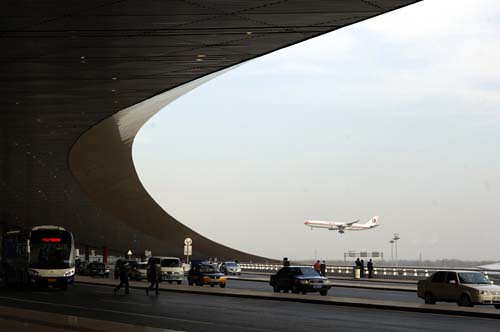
point(97, 269)
point(299, 279)
point(206, 274)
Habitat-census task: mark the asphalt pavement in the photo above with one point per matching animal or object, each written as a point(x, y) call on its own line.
point(195, 312)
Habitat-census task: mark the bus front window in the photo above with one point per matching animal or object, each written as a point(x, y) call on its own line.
point(50, 252)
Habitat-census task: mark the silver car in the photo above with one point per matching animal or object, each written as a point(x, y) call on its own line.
point(466, 288)
point(230, 268)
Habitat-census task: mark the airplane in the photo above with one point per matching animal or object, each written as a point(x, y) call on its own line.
point(343, 226)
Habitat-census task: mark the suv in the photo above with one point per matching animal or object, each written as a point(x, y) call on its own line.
point(466, 288)
point(299, 279)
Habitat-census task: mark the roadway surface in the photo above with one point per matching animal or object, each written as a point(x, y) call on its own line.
point(337, 291)
point(194, 312)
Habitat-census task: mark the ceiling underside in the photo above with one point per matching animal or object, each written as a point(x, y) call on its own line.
point(66, 66)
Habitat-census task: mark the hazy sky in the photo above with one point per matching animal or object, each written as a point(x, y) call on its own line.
point(397, 116)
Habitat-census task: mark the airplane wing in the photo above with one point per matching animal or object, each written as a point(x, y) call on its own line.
point(347, 224)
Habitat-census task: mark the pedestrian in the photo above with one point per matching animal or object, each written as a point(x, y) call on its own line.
point(286, 262)
point(370, 268)
point(153, 276)
point(123, 273)
point(362, 266)
point(322, 269)
point(317, 267)
point(357, 263)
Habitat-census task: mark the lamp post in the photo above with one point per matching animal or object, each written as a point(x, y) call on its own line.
point(395, 238)
point(392, 251)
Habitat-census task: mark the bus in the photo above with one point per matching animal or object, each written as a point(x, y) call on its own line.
point(42, 255)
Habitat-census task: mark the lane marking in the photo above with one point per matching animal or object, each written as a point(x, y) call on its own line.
point(107, 310)
point(126, 302)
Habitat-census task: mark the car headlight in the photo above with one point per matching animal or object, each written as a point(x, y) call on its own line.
point(304, 282)
point(484, 292)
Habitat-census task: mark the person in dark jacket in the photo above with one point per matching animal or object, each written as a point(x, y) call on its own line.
point(370, 268)
point(362, 266)
point(322, 269)
point(286, 262)
point(123, 273)
point(154, 277)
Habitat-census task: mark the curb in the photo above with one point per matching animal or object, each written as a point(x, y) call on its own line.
point(464, 312)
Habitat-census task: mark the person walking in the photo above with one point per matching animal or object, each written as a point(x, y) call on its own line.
point(362, 266)
point(286, 262)
point(370, 268)
point(317, 267)
point(322, 269)
point(154, 277)
point(123, 273)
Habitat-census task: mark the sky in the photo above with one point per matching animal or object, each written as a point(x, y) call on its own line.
point(397, 116)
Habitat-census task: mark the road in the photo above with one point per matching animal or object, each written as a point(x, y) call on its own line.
point(337, 291)
point(191, 312)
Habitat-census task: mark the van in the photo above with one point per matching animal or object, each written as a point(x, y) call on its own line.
point(170, 268)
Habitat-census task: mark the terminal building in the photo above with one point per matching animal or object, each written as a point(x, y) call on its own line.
point(79, 79)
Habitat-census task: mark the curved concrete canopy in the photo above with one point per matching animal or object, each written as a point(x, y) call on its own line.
point(67, 67)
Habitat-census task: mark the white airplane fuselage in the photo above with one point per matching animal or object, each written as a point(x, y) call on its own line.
point(343, 226)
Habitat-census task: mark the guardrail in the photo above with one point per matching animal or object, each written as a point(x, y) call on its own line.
point(381, 272)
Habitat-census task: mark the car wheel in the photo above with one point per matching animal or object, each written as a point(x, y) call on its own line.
point(465, 301)
point(170, 281)
point(323, 292)
point(295, 289)
point(429, 299)
point(222, 285)
point(276, 289)
point(179, 282)
point(304, 292)
point(212, 285)
point(190, 283)
point(497, 306)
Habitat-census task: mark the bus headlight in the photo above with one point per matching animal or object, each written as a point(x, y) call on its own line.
point(69, 273)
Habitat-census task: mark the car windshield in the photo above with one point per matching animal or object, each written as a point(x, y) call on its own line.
point(170, 263)
point(208, 269)
point(472, 278)
point(308, 272)
point(231, 264)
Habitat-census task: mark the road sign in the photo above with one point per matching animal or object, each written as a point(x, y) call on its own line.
point(188, 241)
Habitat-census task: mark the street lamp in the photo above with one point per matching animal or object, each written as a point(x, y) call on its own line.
point(392, 251)
point(395, 238)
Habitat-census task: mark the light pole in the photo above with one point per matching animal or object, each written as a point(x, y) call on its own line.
point(392, 251)
point(395, 238)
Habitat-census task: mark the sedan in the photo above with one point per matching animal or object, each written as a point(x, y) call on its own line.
point(466, 288)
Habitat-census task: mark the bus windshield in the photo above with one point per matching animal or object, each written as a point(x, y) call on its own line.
point(50, 249)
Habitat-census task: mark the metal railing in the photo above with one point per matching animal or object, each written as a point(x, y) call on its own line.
point(381, 272)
